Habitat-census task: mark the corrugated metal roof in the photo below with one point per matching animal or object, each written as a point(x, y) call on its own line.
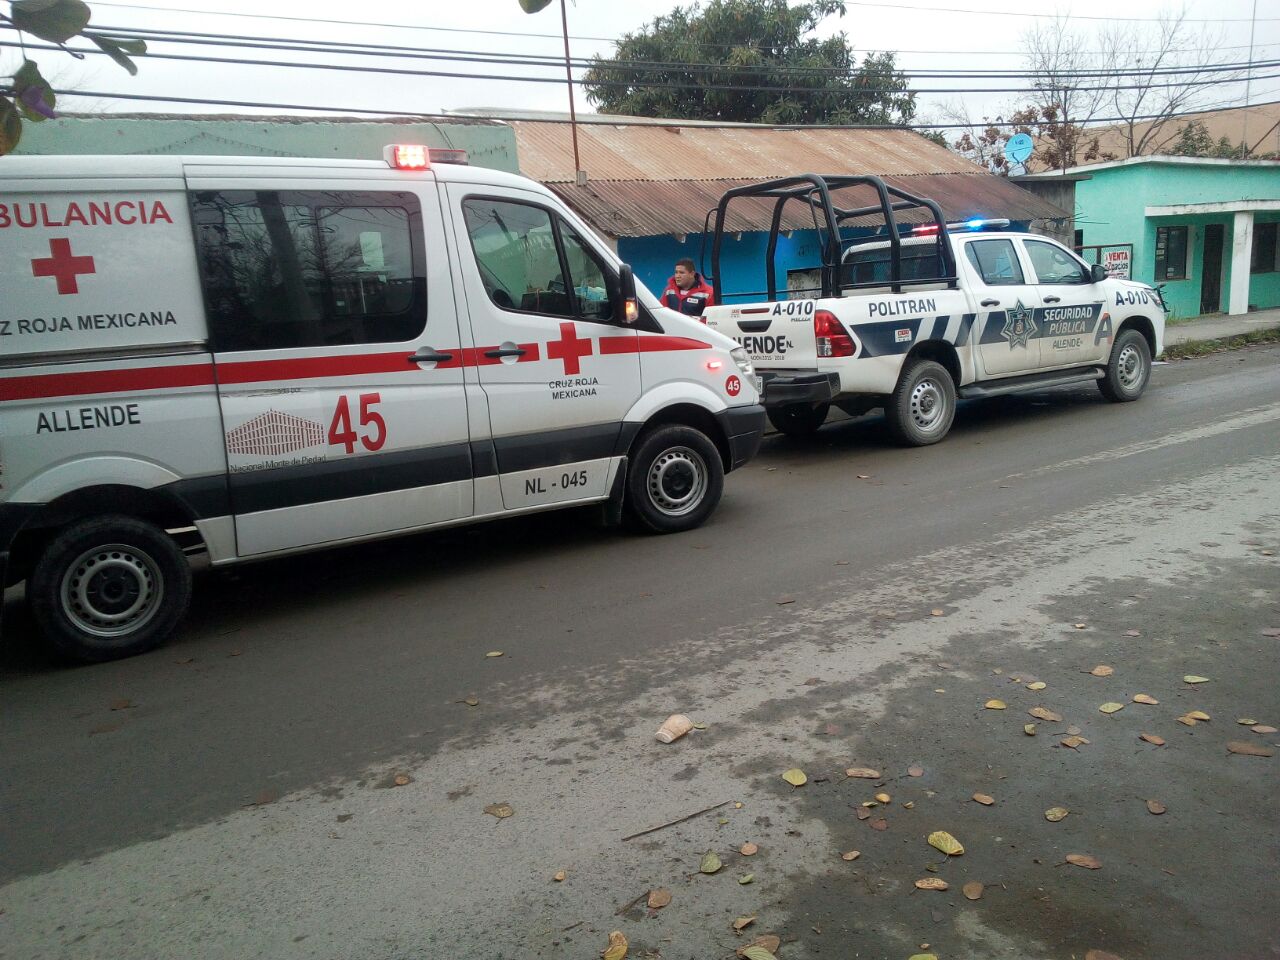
point(642, 208)
point(655, 153)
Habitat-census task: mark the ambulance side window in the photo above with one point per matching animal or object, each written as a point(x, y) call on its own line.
point(290, 269)
point(531, 261)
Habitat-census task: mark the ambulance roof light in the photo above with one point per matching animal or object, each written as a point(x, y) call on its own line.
point(416, 156)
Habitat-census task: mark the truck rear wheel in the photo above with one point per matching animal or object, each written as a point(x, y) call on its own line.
point(798, 419)
point(923, 405)
point(109, 587)
point(1128, 369)
point(674, 481)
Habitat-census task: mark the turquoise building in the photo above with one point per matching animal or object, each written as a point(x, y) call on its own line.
point(1204, 229)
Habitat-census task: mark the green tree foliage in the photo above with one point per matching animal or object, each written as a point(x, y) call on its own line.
point(25, 96)
point(688, 63)
point(1194, 140)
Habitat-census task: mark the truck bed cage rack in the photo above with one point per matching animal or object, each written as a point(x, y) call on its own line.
point(814, 191)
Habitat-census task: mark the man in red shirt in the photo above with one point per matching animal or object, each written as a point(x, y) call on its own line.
point(687, 291)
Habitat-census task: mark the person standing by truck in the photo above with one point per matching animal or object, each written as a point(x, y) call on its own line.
point(687, 292)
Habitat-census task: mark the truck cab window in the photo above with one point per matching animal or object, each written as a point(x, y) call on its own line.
point(996, 262)
point(288, 269)
point(1053, 264)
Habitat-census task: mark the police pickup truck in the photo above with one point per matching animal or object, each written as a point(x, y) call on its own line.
point(913, 316)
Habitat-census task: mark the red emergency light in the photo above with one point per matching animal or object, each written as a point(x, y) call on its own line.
point(416, 156)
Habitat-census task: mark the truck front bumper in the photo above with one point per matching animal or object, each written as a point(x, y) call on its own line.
point(784, 389)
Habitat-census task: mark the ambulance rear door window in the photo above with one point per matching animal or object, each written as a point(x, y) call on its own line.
point(290, 269)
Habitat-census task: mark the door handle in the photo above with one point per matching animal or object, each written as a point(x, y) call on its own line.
point(990, 303)
point(1052, 299)
point(430, 356)
point(513, 352)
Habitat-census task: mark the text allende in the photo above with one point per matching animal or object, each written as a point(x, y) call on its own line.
point(88, 418)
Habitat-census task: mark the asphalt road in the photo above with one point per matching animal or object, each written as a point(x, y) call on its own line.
point(233, 795)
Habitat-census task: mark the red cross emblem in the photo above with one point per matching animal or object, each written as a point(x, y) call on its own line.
point(569, 349)
point(61, 265)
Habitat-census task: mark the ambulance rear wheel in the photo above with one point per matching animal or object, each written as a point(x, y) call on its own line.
point(798, 420)
point(923, 405)
point(674, 480)
point(109, 587)
point(1129, 368)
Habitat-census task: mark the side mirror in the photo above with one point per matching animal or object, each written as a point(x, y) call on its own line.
point(1097, 273)
point(627, 293)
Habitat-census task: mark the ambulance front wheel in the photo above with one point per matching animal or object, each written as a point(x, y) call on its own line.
point(109, 587)
point(674, 480)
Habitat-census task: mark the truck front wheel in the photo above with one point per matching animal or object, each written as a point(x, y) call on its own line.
point(923, 405)
point(1128, 369)
point(109, 587)
point(674, 481)
point(798, 420)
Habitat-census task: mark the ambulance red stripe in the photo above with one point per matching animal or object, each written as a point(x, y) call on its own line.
point(175, 376)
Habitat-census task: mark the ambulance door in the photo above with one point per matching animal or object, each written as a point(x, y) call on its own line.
point(557, 368)
point(337, 356)
point(1005, 329)
point(1072, 307)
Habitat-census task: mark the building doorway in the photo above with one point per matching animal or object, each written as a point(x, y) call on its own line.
point(1211, 271)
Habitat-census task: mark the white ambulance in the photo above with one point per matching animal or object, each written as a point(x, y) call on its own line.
point(274, 355)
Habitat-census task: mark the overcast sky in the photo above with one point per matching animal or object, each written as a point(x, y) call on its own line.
point(986, 34)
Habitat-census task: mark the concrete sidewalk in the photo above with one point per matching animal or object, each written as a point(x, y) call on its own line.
point(1217, 326)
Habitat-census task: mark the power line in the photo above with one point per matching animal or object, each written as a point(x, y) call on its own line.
point(631, 84)
point(612, 121)
point(1049, 16)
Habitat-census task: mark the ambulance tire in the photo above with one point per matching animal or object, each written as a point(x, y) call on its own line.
point(923, 405)
point(674, 479)
point(798, 420)
point(1129, 368)
point(109, 587)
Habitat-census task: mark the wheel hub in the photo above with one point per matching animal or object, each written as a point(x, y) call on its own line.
point(1129, 366)
point(111, 590)
point(677, 481)
point(927, 404)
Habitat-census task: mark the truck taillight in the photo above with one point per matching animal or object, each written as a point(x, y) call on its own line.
point(833, 339)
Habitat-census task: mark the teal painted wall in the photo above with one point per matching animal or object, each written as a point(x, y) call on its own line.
point(1110, 209)
point(488, 144)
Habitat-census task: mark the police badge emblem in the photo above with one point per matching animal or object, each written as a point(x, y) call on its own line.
point(1019, 325)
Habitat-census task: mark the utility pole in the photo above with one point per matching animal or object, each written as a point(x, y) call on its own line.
point(1248, 83)
point(580, 175)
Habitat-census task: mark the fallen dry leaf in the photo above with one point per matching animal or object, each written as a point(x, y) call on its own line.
point(1040, 713)
point(769, 943)
point(1152, 738)
point(973, 890)
point(1102, 670)
point(937, 612)
point(1156, 807)
point(1084, 860)
point(1073, 742)
point(658, 898)
point(941, 840)
point(1143, 698)
point(1249, 749)
point(1133, 633)
point(983, 799)
point(1192, 678)
point(122, 704)
point(743, 922)
point(617, 948)
point(1189, 721)
point(795, 776)
point(710, 863)
point(1079, 626)
point(497, 653)
point(1111, 707)
point(1264, 729)
point(748, 849)
point(995, 704)
point(883, 797)
point(1054, 814)
point(1029, 729)
point(923, 956)
point(471, 701)
point(931, 883)
point(499, 810)
point(783, 601)
point(560, 875)
point(850, 855)
point(1100, 955)
point(880, 824)
point(1196, 715)
point(746, 878)
point(1037, 685)
point(401, 779)
point(915, 771)
point(863, 813)
point(1073, 731)
point(865, 773)
point(1247, 723)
